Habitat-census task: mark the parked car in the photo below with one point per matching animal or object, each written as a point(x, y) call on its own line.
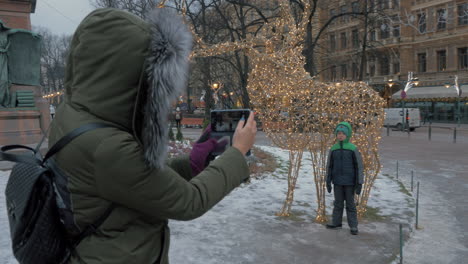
point(394, 118)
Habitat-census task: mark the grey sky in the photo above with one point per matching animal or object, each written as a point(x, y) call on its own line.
point(60, 16)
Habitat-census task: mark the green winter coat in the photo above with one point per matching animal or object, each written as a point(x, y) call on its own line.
point(338, 169)
point(124, 71)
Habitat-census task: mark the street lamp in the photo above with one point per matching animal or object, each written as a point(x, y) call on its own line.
point(459, 92)
point(388, 92)
point(216, 88)
point(412, 81)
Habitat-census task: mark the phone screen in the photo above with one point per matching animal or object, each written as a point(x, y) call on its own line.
point(226, 120)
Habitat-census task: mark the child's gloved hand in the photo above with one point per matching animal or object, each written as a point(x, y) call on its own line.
point(329, 187)
point(201, 151)
point(358, 189)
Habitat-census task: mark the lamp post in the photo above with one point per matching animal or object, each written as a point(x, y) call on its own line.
point(458, 110)
point(412, 81)
point(216, 87)
point(457, 89)
point(388, 95)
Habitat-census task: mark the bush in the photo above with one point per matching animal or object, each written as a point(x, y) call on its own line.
point(171, 134)
point(179, 135)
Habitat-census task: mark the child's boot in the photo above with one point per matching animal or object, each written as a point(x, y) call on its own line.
point(332, 226)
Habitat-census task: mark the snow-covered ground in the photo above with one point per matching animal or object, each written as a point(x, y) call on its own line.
point(243, 227)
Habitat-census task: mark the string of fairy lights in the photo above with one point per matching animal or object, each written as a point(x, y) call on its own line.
point(299, 113)
point(52, 94)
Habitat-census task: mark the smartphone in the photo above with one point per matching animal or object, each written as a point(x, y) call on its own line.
point(224, 124)
point(226, 120)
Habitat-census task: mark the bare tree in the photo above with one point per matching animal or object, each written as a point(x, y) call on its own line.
point(234, 21)
point(54, 51)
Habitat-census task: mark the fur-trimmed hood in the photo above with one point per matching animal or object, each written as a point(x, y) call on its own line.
point(128, 71)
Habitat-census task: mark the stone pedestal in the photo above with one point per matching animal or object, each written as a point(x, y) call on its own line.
point(19, 126)
point(24, 125)
point(41, 103)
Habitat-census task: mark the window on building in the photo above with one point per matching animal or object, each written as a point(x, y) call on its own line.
point(441, 19)
point(384, 66)
point(463, 58)
point(396, 31)
point(332, 42)
point(344, 9)
point(333, 73)
point(463, 14)
point(332, 13)
point(422, 22)
point(421, 62)
point(355, 36)
point(252, 16)
point(355, 7)
point(372, 70)
point(371, 5)
point(441, 60)
point(396, 67)
point(384, 4)
point(344, 72)
point(384, 31)
point(373, 36)
point(355, 71)
point(396, 3)
point(343, 40)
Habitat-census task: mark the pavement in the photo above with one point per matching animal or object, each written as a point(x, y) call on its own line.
point(441, 167)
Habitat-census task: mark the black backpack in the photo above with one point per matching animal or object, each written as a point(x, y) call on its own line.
point(37, 230)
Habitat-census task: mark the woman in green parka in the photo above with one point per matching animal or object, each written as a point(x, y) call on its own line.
point(126, 72)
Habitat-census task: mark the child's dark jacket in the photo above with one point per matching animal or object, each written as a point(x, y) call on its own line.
point(344, 164)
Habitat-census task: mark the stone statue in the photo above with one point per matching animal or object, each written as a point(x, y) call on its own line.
point(4, 81)
point(20, 51)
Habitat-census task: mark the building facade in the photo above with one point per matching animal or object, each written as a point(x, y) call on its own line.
point(426, 37)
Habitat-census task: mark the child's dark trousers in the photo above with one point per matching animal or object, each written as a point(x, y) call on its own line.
point(344, 193)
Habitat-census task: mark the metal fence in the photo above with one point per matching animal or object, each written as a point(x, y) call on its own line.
point(432, 132)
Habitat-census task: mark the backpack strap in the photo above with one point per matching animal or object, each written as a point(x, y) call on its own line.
point(56, 148)
point(33, 159)
point(72, 135)
point(22, 158)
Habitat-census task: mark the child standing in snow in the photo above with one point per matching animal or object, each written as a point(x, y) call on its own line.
point(344, 170)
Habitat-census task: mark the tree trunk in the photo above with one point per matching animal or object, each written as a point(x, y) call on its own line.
point(309, 51)
point(364, 43)
point(206, 71)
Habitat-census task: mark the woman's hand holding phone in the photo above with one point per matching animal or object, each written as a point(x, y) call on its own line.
point(244, 136)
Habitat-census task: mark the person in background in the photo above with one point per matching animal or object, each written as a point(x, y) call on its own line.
point(178, 117)
point(52, 110)
point(345, 171)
